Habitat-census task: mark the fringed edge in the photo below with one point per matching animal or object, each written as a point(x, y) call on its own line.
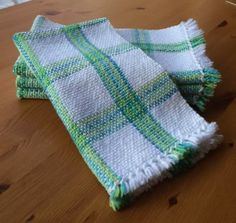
point(181, 157)
point(119, 198)
point(184, 154)
point(204, 140)
point(210, 82)
point(209, 79)
point(208, 141)
point(148, 175)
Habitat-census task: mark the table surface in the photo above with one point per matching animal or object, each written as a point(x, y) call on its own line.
point(42, 176)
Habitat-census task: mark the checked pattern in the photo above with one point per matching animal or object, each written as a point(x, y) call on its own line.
point(123, 111)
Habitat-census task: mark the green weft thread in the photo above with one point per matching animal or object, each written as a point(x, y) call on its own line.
point(21, 68)
point(148, 47)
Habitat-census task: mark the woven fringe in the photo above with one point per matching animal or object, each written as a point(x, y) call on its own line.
point(208, 142)
point(184, 155)
point(209, 80)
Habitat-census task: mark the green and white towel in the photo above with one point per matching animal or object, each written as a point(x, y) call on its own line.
point(124, 113)
point(179, 49)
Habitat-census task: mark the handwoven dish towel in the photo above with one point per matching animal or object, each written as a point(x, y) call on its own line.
point(123, 112)
point(179, 49)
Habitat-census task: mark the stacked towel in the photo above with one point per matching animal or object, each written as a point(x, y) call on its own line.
point(179, 49)
point(122, 109)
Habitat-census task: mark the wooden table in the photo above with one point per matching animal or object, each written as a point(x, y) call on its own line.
point(42, 176)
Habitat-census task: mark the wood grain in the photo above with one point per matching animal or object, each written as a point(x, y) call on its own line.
point(42, 176)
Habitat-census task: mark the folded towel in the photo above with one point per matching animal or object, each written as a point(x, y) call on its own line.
point(123, 112)
point(179, 49)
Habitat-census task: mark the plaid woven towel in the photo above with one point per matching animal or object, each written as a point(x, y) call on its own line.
point(179, 49)
point(123, 112)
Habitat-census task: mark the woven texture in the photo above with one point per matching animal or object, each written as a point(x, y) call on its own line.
point(122, 110)
point(179, 49)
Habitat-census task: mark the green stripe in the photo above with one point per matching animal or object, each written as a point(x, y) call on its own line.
point(180, 78)
point(125, 98)
point(149, 47)
point(20, 67)
point(71, 65)
point(118, 49)
point(104, 174)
